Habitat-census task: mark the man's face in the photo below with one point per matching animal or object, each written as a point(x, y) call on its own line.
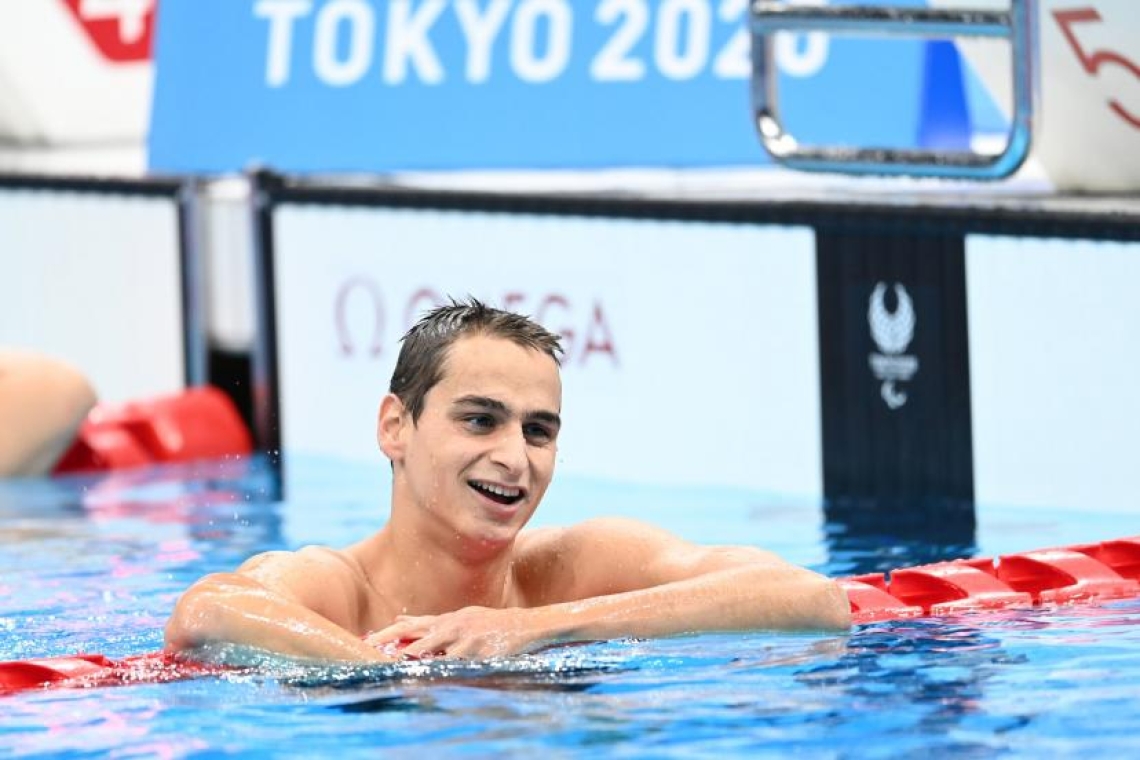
point(481, 456)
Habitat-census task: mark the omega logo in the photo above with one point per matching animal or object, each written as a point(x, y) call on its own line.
point(360, 317)
point(370, 290)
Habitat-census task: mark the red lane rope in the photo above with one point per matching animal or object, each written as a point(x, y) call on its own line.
point(1085, 572)
point(1081, 573)
point(91, 670)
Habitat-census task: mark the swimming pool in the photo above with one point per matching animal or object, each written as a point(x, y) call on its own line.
point(94, 565)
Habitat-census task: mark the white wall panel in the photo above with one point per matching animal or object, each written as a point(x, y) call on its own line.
point(96, 280)
point(1055, 367)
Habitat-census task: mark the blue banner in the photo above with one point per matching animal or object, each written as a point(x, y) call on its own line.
point(389, 85)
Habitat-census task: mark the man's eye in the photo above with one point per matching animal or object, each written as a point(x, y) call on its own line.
point(480, 422)
point(538, 434)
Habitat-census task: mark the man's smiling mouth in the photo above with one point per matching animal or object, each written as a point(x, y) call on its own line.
point(496, 493)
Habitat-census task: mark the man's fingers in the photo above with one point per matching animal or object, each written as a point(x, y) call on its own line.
point(425, 647)
point(430, 645)
point(383, 636)
point(396, 633)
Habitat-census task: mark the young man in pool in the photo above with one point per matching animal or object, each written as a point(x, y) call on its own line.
point(471, 429)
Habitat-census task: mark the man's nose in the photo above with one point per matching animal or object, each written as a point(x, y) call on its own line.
point(510, 450)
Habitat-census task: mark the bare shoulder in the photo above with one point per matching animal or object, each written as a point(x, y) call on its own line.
point(546, 545)
point(325, 580)
point(315, 564)
point(641, 542)
point(590, 558)
point(602, 534)
point(614, 554)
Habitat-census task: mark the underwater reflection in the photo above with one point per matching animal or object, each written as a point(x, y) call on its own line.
point(876, 538)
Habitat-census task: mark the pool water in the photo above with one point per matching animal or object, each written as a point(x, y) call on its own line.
point(95, 564)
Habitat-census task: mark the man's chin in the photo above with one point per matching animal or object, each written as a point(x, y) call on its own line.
point(485, 542)
point(497, 537)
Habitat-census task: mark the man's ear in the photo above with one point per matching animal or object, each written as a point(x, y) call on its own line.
point(393, 420)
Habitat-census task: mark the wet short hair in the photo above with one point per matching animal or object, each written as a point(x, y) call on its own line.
point(427, 344)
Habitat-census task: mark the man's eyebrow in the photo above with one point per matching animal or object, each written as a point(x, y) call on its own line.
point(494, 405)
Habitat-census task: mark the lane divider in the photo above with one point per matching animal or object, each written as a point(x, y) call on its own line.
point(1086, 572)
point(86, 671)
point(198, 423)
point(1082, 573)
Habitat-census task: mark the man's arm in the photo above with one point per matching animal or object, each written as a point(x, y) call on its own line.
point(297, 604)
point(612, 578)
point(42, 403)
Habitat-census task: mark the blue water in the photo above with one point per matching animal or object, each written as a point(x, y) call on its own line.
point(95, 565)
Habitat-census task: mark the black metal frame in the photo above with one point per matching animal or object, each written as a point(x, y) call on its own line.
point(1086, 217)
point(934, 218)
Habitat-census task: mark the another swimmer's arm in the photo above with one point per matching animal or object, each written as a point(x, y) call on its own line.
point(289, 604)
point(42, 403)
point(634, 580)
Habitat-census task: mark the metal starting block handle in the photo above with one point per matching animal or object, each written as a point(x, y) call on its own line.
point(1018, 25)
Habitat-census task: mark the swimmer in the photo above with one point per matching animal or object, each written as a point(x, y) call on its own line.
point(42, 403)
point(470, 426)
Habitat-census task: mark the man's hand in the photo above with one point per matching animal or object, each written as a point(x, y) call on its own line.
point(469, 633)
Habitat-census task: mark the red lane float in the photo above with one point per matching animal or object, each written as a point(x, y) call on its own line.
point(199, 423)
point(1108, 570)
point(1123, 556)
point(1087, 572)
point(85, 671)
